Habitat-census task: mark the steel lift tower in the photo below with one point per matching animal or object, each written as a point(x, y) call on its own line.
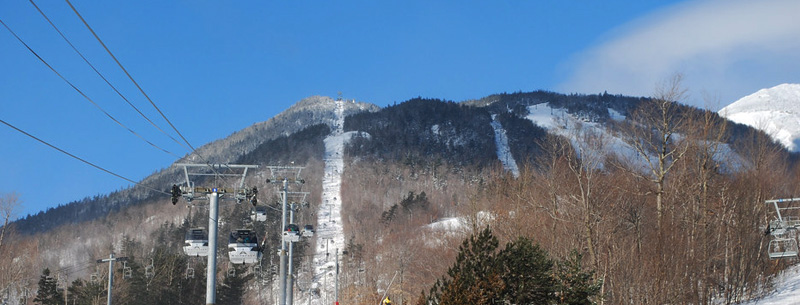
point(213, 194)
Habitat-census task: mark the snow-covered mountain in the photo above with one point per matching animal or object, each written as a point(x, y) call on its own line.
point(775, 111)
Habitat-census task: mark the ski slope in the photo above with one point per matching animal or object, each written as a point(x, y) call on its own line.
point(503, 151)
point(329, 232)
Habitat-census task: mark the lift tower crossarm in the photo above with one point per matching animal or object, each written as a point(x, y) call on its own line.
point(213, 196)
point(775, 202)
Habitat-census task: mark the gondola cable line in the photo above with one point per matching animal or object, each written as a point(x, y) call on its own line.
point(82, 160)
point(142, 90)
point(86, 60)
point(82, 93)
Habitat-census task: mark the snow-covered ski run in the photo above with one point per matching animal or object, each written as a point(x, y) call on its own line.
point(503, 150)
point(329, 232)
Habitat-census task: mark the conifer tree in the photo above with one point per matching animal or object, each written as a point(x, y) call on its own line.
point(520, 273)
point(48, 293)
point(526, 272)
point(575, 286)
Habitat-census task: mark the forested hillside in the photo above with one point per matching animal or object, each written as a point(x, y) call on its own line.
point(675, 220)
point(305, 113)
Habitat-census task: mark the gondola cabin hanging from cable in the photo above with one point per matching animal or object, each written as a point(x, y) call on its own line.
point(259, 213)
point(243, 247)
point(196, 242)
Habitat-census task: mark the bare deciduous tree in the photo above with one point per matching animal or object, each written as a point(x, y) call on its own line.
point(8, 206)
point(652, 134)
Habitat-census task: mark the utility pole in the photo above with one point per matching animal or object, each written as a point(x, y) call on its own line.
point(110, 260)
point(213, 195)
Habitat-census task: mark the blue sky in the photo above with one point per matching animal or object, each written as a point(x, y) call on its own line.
point(216, 67)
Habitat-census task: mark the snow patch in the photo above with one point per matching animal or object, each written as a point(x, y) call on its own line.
point(503, 150)
point(448, 224)
point(615, 115)
point(787, 292)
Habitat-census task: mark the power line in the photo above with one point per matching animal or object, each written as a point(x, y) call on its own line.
point(82, 160)
point(101, 75)
point(81, 92)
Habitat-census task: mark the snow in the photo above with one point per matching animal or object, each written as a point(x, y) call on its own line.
point(558, 121)
point(503, 151)
point(448, 224)
point(329, 232)
point(615, 115)
point(775, 111)
point(787, 292)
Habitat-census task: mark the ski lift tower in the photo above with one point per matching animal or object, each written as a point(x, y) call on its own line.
point(292, 236)
point(191, 192)
point(783, 229)
point(285, 175)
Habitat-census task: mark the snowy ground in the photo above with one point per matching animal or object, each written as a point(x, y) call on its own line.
point(503, 151)
point(329, 232)
point(787, 289)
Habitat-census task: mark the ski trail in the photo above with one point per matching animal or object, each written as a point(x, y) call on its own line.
point(329, 233)
point(503, 150)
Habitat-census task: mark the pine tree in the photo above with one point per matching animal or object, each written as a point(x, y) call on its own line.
point(85, 293)
point(526, 272)
point(48, 293)
point(520, 273)
point(575, 286)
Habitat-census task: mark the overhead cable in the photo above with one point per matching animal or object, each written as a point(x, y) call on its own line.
point(129, 76)
point(140, 88)
point(82, 160)
point(81, 92)
point(103, 77)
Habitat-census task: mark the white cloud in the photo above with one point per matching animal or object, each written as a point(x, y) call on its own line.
point(725, 49)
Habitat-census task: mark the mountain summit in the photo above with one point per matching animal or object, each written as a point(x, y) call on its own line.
point(775, 111)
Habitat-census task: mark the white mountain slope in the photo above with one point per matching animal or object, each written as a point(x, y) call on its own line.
point(775, 111)
point(503, 151)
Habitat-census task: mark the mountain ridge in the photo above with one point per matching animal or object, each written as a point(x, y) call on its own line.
point(774, 110)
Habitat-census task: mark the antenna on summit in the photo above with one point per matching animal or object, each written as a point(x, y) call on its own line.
point(339, 97)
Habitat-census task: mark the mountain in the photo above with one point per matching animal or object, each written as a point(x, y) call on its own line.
point(775, 111)
point(573, 173)
point(311, 111)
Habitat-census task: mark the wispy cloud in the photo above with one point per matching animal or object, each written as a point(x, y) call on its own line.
point(725, 49)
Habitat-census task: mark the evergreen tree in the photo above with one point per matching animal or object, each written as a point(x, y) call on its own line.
point(475, 276)
point(520, 273)
point(48, 293)
point(85, 293)
point(526, 272)
point(575, 286)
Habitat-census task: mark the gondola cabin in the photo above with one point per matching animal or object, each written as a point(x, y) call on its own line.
point(196, 242)
point(243, 247)
point(291, 233)
point(308, 231)
point(259, 213)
